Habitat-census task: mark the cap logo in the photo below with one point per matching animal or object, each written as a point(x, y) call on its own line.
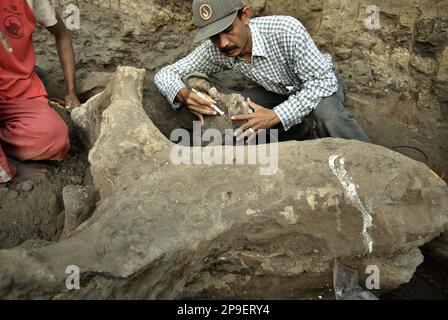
point(206, 12)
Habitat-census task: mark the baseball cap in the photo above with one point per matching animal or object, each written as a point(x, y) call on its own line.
point(214, 16)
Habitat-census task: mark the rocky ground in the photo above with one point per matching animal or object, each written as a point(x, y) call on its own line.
point(34, 209)
point(396, 75)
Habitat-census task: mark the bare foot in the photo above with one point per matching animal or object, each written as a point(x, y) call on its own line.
point(26, 171)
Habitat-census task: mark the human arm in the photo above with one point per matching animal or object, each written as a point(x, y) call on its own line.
point(203, 59)
point(314, 71)
point(67, 57)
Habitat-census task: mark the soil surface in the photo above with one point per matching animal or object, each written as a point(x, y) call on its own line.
point(33, 209)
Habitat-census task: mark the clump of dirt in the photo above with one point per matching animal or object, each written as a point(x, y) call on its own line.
point(430, 282)
point(33, 209)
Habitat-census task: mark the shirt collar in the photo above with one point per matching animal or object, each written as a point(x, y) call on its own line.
point(258, 44)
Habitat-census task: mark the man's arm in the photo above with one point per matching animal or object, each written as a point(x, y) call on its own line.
point(169, 79)
point(67, 58)
point(315, 72)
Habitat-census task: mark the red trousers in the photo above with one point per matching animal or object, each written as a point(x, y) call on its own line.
point(30, 130)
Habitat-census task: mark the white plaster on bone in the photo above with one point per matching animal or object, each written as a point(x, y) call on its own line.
point(350, 190)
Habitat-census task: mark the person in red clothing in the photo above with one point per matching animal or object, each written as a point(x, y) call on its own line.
point(29, 128)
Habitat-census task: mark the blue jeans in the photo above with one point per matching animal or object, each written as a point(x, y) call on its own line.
point(331, 117)
point(41, 74)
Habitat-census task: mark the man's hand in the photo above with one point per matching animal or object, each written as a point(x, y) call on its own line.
point(5, 43)
point(72, 101)
point(261, 118)
point(196, 104)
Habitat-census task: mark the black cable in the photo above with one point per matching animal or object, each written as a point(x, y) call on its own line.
point(428, 162)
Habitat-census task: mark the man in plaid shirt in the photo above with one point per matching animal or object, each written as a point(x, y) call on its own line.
point(277, 53)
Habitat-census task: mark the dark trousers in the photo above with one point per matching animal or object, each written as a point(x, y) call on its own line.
point(41, 74)
point(331, 117)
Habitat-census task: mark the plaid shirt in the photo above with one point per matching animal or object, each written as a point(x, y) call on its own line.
point(285, 61)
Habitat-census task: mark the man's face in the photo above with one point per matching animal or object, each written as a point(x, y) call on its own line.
point(234, 39)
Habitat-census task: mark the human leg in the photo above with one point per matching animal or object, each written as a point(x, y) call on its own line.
point(31, 130)
point(334, 120)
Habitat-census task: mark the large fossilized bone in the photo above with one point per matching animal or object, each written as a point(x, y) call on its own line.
point(218, 231)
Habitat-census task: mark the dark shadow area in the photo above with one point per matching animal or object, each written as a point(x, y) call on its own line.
point(430, 282)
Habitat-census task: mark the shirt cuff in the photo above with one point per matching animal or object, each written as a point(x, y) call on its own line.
point(44, 13)
point(50, 22)
point(285, 116)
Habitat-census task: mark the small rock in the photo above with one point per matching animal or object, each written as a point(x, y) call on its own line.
point(78, 202)
point(76, 180)
point(27, 186)
point(3, 191)
point(161, 46)
point(12, 195)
